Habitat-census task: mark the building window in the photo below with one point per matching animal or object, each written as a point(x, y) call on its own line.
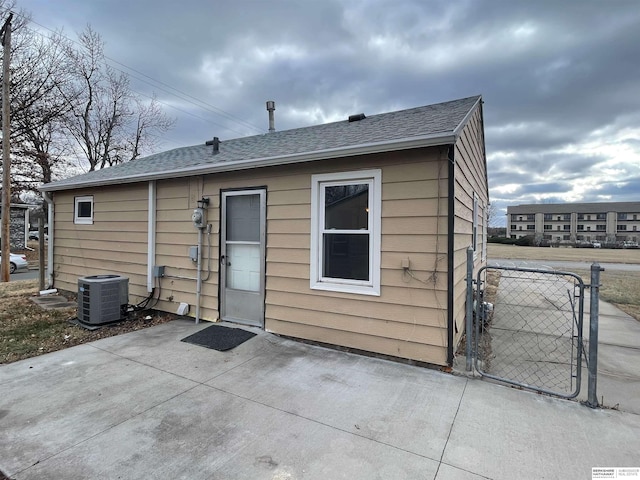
point(622, 228)
point(601, 228)
point(548, 217)
point(514, 217)
point(83, 210)
point(580, 228)
point(588, 217)
point(476, 212)
point(531, 217)
point(566, 227)
point(580, 216)
point(548, 227)
point(566, 216)
point(566, 237)
point(622, 216)
point(345, 232)
point(513, 227)
point(558, 227)
point(580, 238)
point(601, 216)
point(531, 227)
point(520, 228)
point(559, 218)
point(635, 217)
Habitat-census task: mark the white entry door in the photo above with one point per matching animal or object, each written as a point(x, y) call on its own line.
point(242, 256)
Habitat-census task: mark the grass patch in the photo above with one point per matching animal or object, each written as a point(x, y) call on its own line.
point(619, 288)
point(27, 330)
point(601, 255)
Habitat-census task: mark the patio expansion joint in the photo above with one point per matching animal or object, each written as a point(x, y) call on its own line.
point(332, 427)
point(110, 427)
point(453, 422)
point(124, 357)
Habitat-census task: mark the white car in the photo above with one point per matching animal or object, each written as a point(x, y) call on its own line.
point(17, 262)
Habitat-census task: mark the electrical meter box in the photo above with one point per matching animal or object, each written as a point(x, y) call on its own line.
point(198, 218)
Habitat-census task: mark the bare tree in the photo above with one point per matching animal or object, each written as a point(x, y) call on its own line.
point(68, 105)
point(492, 215)
point(38, 76)
point(39, 106)
point(109, 123)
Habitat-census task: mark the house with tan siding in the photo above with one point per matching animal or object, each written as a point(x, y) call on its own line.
point(352, 233)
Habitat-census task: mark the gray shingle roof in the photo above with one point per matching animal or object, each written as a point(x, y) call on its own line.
point(432, 124)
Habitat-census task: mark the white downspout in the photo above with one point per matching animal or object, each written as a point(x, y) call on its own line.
point(51, 221)
point(151, 235)
point(199, 276)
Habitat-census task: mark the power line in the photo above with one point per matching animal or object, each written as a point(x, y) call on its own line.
point(215, 109)
point(180, 94)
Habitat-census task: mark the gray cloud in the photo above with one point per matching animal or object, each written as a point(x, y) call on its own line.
point(559, 79)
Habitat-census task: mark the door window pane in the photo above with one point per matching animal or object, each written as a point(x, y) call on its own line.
point(243, 267)
point(243, 218)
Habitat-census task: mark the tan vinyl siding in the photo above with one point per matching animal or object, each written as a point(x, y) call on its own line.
point(408, 319)
point(116, 242)
point(470, 177)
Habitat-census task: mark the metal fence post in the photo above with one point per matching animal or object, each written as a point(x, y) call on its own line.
point(469, 315)
point(592, 400)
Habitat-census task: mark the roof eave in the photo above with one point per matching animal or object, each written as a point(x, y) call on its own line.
point(363, 149)
point(466, 118)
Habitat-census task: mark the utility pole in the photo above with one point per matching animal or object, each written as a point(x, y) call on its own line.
point(5, 33)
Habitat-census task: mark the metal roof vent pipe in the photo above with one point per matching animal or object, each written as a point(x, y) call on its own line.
point(271, 107)
point(216, 145)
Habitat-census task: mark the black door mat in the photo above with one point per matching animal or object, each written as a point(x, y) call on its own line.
point(219, 338)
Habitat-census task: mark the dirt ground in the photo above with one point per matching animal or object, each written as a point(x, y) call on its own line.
point(27, 330)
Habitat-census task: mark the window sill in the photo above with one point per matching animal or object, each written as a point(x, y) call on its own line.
point(342, 288)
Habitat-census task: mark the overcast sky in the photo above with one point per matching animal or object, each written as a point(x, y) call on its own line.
point(560, 79)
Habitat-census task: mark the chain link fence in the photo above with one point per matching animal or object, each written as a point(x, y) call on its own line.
point(530, 335)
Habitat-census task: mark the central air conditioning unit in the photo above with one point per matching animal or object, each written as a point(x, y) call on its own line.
point(102, 298)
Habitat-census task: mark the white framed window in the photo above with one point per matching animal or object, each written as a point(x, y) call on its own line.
point(485, 224)
point(83, 210)
point(474, 233)
point(346, 213)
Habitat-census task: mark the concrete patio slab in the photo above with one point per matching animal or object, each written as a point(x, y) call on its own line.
point(502, 433)
point(206, 433)
point(135, 407)
point(54, 402)
point(352, 393)
point(161, 347)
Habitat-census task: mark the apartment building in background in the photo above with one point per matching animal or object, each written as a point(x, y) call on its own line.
point(609, 223)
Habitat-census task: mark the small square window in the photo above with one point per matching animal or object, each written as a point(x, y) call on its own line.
point(83, 210)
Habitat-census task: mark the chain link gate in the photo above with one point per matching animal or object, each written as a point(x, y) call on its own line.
point(532, 334)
